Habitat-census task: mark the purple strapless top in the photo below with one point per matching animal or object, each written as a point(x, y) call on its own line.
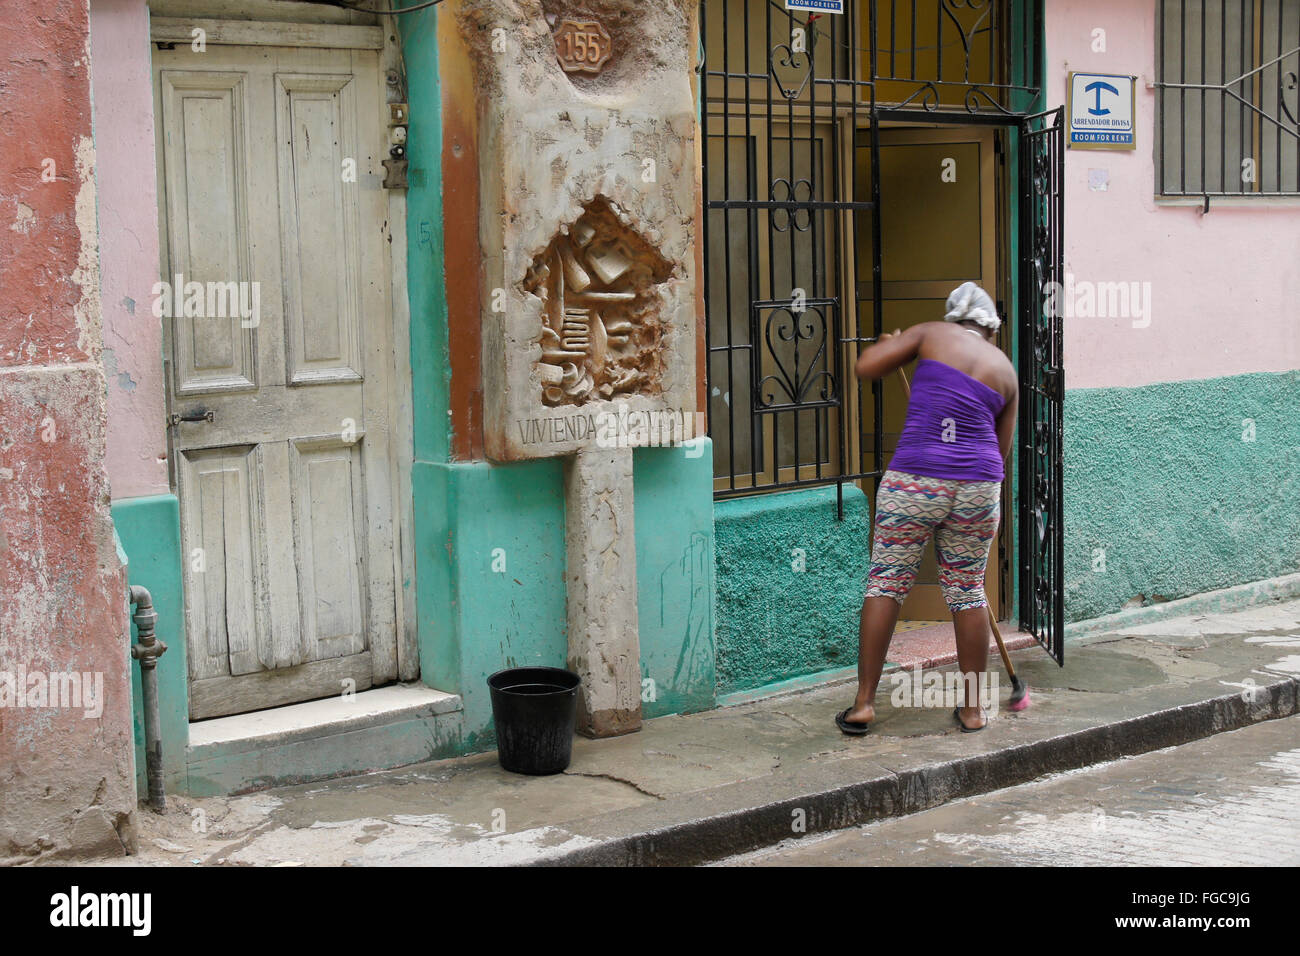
point(951, 429)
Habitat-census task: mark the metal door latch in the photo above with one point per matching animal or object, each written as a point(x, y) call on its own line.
point(198, 415)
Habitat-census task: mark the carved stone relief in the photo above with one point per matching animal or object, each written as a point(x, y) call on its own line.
point(601, 329)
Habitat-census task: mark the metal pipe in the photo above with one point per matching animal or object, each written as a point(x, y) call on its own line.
point(147, 650)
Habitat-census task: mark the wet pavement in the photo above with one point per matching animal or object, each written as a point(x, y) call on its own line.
point(1230, 800)
point(706, 786)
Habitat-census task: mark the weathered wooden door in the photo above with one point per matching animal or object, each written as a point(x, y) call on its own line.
point(270, 195)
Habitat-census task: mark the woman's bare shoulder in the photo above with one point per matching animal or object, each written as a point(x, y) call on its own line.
point(1010, 377)
point(930, 332)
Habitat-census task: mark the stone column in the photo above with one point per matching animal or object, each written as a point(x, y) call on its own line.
point(585, 133)
point(604, 649)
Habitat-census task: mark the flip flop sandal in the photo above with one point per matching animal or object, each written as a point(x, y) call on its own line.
point(956, 715)
point(854, 728)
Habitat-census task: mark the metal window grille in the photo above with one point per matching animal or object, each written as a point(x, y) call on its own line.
point(1226, 103)
point(786, 97)
point(787, 225)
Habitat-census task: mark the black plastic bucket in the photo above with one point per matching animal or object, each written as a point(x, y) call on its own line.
point(535, 710)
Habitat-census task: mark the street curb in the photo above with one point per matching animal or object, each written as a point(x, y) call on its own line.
point(692, 842)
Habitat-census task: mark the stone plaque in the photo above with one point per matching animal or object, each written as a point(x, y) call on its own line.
point(583, 46)
point(600, 327)
point(588, 231)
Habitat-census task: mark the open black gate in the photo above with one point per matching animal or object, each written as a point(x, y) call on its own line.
point(1042, 379)
point(793, 234)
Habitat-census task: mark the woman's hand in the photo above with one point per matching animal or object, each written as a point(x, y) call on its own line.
point(890, 351)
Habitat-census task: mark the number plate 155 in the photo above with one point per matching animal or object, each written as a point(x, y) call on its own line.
point(582, 46)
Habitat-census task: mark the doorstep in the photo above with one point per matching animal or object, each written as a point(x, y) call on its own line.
point(376, 729)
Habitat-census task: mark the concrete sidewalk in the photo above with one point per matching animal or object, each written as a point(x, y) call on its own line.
point(701, 787)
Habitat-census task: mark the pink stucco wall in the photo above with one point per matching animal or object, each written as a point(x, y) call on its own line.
point(128, 227)
point(1225, 285)
point(67, 779)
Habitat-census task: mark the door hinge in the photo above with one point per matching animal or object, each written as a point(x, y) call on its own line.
point(395, 173)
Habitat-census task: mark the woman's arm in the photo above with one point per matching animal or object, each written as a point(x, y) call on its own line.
point(1007, 424)
point(892, 350)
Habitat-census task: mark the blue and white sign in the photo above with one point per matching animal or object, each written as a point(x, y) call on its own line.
point(816, 6)
point(1101, 111)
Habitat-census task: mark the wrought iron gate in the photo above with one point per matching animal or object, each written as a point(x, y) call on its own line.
point(1042, 379)
point(778, 221)
point(786, 223)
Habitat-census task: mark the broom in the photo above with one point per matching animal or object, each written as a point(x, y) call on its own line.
point(1019, 699)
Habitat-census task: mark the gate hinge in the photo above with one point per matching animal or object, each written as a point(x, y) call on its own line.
point(395, 173)
point(1054, 380)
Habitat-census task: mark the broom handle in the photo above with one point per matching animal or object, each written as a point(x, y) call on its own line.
point(997, 634)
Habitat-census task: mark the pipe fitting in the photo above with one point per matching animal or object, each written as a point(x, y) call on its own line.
point(147, 650)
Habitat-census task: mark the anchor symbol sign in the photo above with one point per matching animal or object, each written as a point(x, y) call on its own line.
point(1097, 88)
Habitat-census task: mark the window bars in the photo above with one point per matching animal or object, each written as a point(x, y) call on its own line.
point(1227, 78)
point(787, 193)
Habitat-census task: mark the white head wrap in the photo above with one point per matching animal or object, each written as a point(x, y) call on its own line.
point(968, 302)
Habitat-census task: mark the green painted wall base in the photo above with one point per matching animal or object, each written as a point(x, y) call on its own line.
point(490, 560)
point(490, 563)
point(776, 622)
point(673, 516)
point(149, 529)
point(795, 685)
point(1183, 487)
point(1226, 601)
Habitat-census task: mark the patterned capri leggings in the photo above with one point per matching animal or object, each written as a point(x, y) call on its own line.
point(962, 516)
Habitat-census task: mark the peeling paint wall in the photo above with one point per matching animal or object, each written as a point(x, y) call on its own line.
point(126, 186)
point(66, 772)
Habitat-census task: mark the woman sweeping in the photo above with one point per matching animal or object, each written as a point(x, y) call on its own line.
point(945, 480)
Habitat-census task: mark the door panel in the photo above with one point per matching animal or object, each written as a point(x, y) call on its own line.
point(219, 502)
point(285, 489)
point(329, 538)
point(314, 116)
point(208, 241)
